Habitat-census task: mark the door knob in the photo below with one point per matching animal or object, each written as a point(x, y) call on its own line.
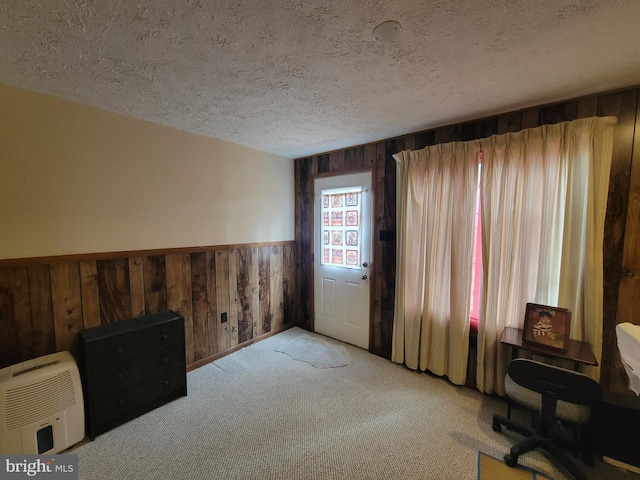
point(364, 277)
point(365, 264)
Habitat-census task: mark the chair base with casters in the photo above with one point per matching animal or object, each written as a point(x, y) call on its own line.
point(556, 394)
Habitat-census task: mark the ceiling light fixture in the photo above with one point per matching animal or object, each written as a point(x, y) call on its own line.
point(387, 31)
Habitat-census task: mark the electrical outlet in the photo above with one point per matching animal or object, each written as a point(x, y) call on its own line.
point(223, 317)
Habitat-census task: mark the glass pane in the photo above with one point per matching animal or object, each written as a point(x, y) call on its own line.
point(341, 229)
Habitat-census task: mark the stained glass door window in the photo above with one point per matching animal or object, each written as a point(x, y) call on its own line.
point(341, 224)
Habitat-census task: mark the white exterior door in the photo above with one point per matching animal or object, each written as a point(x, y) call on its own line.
point(342, 257)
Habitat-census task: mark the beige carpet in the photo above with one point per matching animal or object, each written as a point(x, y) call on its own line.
point(490, 468)
point(259, 414)
point(315, 351)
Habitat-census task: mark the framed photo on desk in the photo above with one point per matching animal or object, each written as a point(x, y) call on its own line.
point(546, 326)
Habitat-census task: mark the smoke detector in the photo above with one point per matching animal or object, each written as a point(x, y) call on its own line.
point(387, 31)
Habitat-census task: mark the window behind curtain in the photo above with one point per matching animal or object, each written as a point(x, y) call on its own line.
point(477, 259)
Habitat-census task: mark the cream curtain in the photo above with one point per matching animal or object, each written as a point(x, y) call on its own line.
point(543, 202)
point(436, 195)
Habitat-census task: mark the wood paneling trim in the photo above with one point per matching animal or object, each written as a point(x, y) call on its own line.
point(67, 304)
point(336, 161)
point(629, 291)
point(344, 172)
point(276, 292)
point(559, 112)
point(222, 299)
point(154, 271)
point(44, 337)
point(388, 267)
point(530, 118)
point(304, 248)
point(43, 307)
point(212, 303)
point(16, 329)
point(510, 122)
point(199, 304)
point(233, 295)
point(18, 262)
point(265, 288)
point(115, 289)
point(215, 356)
point(90, 293)
point(245, 297)
point(289, 284)
point(622, 105)
point(179, 296)
point(136, 279)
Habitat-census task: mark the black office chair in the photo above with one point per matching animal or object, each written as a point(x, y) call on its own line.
point(556, 394)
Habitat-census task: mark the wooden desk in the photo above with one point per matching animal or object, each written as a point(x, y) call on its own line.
point(577, 351)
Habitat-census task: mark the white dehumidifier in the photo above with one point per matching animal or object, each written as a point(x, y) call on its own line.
point(41, 405)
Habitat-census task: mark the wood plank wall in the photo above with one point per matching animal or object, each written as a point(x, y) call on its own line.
point(622, 229)
point(45, 302)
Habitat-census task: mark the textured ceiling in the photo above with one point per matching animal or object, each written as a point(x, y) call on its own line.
point(299, 77)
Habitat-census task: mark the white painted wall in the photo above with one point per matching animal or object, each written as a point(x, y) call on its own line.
point(76, 179)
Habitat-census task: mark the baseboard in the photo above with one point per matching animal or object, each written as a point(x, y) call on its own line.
point(224, 353)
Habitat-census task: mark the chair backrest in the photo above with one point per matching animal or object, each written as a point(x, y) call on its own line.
point(569, 386)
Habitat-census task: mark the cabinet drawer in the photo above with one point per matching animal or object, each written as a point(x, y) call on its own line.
point(118, 401)
point(157, 364)
point(126, 347)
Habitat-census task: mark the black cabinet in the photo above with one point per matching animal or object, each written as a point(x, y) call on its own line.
point(131, 367)
point(614, 428)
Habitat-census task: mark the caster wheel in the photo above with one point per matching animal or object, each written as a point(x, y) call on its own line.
point(496, 427)
point(510, 461)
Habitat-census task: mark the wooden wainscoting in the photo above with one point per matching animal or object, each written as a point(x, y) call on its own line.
point(45, 302)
